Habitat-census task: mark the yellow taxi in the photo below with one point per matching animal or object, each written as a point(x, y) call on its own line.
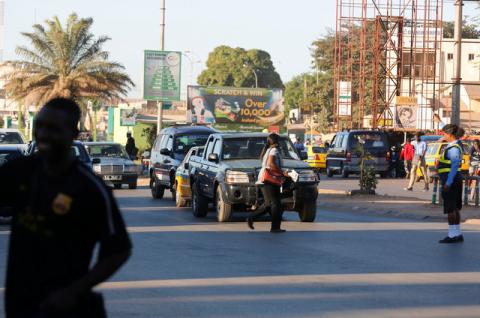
point(183, 192)
point(316, 157)
point(435, 149)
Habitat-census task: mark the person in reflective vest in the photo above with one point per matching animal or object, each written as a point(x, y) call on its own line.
point(448, 168)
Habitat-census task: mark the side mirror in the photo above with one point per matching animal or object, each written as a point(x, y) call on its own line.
point(146, 154)
point(213, 157)
point(186, 165)
point(96, 161)
point(165, 151)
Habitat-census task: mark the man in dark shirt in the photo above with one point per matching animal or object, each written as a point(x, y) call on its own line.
point(61, 212)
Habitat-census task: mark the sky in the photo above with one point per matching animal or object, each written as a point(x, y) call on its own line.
point(283, 28)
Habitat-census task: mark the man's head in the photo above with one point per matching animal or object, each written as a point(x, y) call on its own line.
point(56, 126)
point(418, 136)
point(129, 134)
point(408, 140)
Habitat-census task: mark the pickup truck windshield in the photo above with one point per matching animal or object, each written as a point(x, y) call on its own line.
point(107, 150)
point(369, 140)
point(11, 138)
point(251, 148)
point(183, 143)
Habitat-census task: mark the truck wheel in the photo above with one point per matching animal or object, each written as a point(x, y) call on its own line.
point(157, 190)
point(133, 185)
point(384, 175)
point(199, 203)
point(344, 173)
point(308, 211)
point(329, 172)
point(224, 210)
point(117, 186)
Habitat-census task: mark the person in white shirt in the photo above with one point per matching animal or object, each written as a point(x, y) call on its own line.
point(418, 162)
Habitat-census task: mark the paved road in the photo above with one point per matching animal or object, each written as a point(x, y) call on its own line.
point(343, 265)
point(392, 187)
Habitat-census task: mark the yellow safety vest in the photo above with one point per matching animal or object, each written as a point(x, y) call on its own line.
point(444, 165)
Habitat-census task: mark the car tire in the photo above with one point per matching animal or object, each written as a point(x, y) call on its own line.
point(308, 211)
point(344, 173)
point(117, 186)
point(224, 210)
point(157, 190)
point(133, 185)
point(384, 175)
point(199, 203)
point(329, 172)
point(179, 202)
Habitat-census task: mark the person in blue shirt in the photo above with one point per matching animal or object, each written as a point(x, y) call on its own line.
point(448, 168)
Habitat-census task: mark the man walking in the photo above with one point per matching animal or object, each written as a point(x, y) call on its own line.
point(418, 162)
point(298, 144)
point(407, 156)
point(62, 211)
point(130, 147)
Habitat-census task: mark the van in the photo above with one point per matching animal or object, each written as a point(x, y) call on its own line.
point(169, 150)
point(343, 156)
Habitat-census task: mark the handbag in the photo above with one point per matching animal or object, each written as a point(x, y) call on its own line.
point(272, 177)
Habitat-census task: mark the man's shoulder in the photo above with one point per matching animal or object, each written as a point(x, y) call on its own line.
point(23, 163)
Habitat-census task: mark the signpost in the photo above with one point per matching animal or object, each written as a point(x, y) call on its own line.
point(344, 101)
point(162, 75)
point(128, 117)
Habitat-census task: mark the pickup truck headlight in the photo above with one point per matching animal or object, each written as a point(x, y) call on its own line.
point(307, 176)
point(236, 177)
point(130, 169)
point(97, 168)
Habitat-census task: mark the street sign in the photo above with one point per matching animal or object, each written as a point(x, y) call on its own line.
point(406, 100)
point(344, 100)
point(161, 79)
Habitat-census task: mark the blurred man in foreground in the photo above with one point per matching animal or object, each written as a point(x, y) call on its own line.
point(61, 212)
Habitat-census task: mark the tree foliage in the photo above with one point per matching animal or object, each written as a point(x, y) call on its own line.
point(469, 31)
point(227, 66)
point(64, 61)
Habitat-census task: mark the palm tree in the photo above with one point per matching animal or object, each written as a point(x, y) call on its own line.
point(64, 62)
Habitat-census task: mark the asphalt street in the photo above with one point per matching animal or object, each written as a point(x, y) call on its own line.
point(343, 265)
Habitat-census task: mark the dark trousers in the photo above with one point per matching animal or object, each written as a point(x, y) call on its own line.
point(272, 203)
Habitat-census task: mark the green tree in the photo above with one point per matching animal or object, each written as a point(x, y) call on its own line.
point(469, 31)
point(65, 61)
point(227, 66)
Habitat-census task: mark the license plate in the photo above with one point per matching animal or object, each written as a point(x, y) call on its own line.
point(112, 178)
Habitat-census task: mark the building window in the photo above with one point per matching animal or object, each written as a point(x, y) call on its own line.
point(471, 57)
point(450, 56)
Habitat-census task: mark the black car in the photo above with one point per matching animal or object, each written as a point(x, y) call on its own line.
point(343, 156)
point(169, 150)
point(227, 173)
point(7, 153)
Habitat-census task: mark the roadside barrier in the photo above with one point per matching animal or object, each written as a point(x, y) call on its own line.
point(467, 190)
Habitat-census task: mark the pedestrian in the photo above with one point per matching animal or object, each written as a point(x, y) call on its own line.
point(298, 144)
point(130, 147)
point(406, 155)
point(62, 210)
point(418, 162)
point(271, 165)
point(474, 158)
point(448, 168)
point(394, 162)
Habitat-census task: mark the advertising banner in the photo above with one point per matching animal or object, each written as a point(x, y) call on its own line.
point(128, 117)
point(406, 117)
point(226, 106)
point(161, 77)
point(344, 101)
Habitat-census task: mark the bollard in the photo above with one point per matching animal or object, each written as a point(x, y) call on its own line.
point(435, 189)
point(465, 191)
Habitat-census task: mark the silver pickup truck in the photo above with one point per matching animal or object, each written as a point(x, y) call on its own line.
point(226, 174)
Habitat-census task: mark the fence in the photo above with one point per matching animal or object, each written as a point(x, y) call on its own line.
point(467, 190)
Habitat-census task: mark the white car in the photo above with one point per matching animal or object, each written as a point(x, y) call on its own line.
point(12, 137)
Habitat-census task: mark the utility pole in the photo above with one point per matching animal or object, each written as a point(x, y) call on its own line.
point(455, 118)
point(162, 48)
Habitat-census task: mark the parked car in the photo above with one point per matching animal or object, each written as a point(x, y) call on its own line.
point(12, 137)
point(316, 157)
point(227, 172)
point(7, 153)
point(343, 156)
point(78, 149)
point(183, 192)
point(169, 149)
point(112, 163)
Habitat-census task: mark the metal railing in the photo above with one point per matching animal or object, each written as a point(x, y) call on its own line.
point(467, 190)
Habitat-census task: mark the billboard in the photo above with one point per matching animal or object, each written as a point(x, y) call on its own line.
point(225, 106)
point(344, 101)
point(406, 116)
point(128, 117)
point(161, 77)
